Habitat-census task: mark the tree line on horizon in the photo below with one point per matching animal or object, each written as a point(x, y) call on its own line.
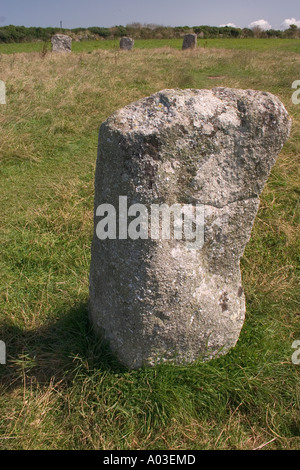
point(13, 33)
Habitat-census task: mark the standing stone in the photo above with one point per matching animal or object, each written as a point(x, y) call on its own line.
point(189, 41)
point(61, 43)
point(159, 300)
point(126, 43)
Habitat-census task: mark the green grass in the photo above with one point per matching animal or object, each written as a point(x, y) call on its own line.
point(287, 45)
point(61, 387)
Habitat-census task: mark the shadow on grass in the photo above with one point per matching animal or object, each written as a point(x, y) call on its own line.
point(55, 350)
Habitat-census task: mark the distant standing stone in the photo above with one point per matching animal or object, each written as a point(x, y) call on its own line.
point(61, 43)
point(189, 41)
point(126, 43)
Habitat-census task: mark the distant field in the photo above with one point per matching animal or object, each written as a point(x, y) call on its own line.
point(61, 388)
point(288, 45)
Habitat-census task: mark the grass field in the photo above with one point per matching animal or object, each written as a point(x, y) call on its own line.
point(61, 388)
point(287, 45)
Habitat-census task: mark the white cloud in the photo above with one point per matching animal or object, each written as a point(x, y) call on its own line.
point(228, 24)
point(262, 24)
point(286, 23)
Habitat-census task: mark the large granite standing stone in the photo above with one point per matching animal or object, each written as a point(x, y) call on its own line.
point(158, 300)
point(189, 41)
point(126, 43)
point(61, 43)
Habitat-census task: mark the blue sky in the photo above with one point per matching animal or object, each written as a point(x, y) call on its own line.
point(74, 13)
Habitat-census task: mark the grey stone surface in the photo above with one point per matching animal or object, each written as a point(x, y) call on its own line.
point(157, 300)
point(189, 41)
point(61, 43)
point(126, 43)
